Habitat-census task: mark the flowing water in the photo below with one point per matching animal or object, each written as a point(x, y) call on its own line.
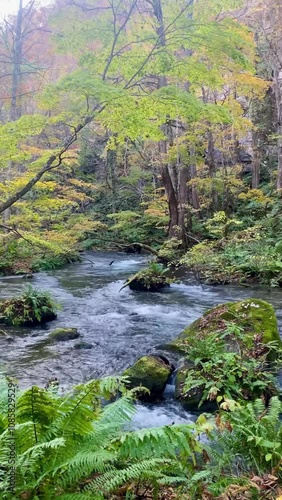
point(121, 325)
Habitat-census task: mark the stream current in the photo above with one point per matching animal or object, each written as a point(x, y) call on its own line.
point(121, 325)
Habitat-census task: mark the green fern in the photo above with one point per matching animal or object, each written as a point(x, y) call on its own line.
point(32, 306)
point(71, 447)
point(248, 440)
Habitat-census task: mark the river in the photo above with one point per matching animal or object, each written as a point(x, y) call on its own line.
point(121, 326)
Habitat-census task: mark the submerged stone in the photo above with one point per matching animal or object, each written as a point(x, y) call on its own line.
point(64, 334)
point(83, 345)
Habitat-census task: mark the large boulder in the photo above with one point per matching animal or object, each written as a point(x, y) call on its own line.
point(64, 334)
point(151, 372)
point(254, 316)
point(257, 326)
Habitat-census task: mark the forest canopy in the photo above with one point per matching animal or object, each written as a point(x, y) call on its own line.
point(142, 121)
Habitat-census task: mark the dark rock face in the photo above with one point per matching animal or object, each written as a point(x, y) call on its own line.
point(151, 372)
point(134, 248)
point(195, 395)
point(45, 317)
point(64, 334)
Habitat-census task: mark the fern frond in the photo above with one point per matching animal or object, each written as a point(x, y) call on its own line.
point(110, 481)
point(158, 442)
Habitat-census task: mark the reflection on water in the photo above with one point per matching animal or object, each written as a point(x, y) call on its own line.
point(121, 325)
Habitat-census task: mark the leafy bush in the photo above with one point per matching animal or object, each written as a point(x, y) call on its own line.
point(138, 227)
point(245, 255)
point(220, 224)
point(170, 251)
point(32, 307)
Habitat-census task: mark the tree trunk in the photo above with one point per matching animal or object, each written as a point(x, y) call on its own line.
point(279, 175)
point(15, 111)
point(172, 202)
point(174, 175)
point(278, 98)
point(256, 161)
point(183, 212)
point(212, 168)
point(111, 162)
point(194, 197)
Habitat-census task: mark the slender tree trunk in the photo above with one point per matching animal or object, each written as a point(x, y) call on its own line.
point(194, 198)
point(278, 95)
point(174, 175)
point(212, 168)
point(183, 212)
point(15, 112)
point(256, 161)
point(111, 161)
point(277, 17)
point(172, 202)
point(279, 175)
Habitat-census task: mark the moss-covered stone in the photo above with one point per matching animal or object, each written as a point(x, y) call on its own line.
point(151, 279)
point(258, 325)
point(150, 372)
point(64, 334)
point(254, 316)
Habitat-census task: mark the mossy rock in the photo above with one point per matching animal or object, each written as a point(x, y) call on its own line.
point(64, 334)
point(151, 372)
point(258, 324)
point(151, 279)
point(138, 285)
point(254, 316)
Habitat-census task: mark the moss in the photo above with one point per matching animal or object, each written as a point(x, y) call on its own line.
point(150, 372)
point(64, 334)
point(254, 316)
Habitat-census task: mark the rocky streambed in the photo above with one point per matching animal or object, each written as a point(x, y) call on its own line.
point(119, 326)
